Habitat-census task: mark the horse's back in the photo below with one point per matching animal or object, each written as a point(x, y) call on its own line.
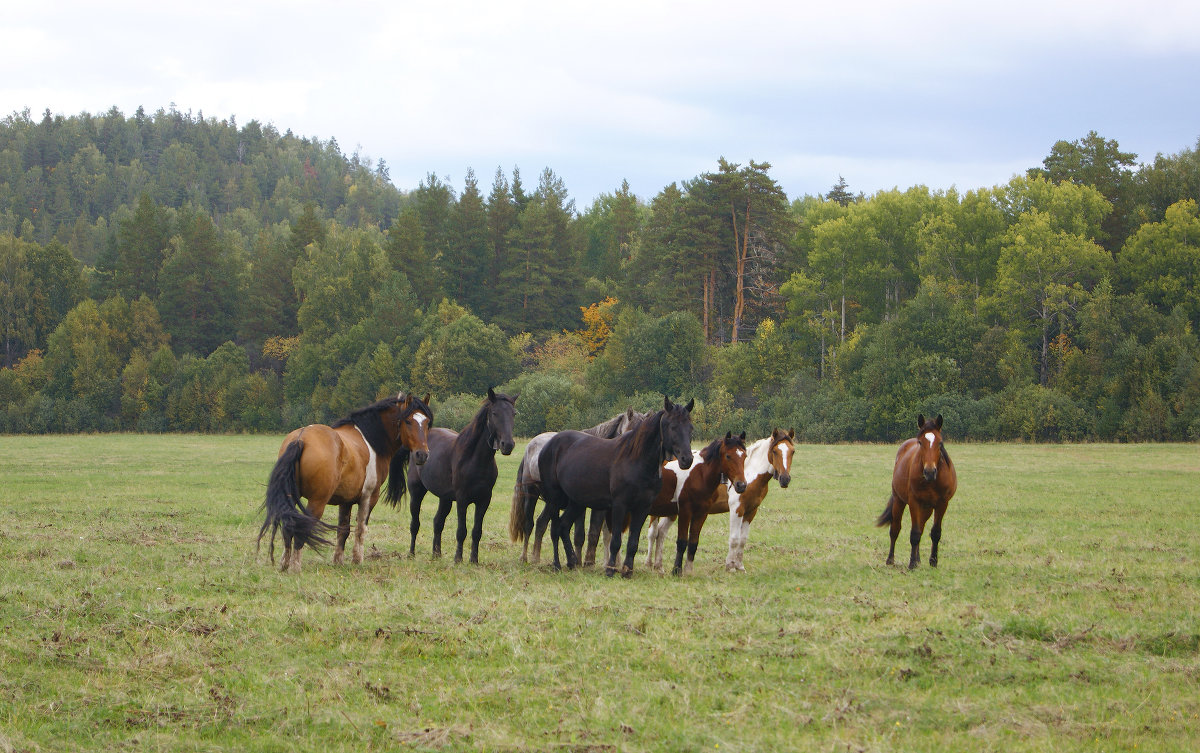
point(331, 464)
point(577, 465)
point(531, 473)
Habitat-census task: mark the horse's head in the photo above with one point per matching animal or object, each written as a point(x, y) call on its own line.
point(733, 460)
point(675, 428)
point(630, 420)
point(783, 447)
point(414, 418)
point(501, 412)
point(929, 445)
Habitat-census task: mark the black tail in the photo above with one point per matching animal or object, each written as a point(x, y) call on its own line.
point(285, 510)
point(886, 517)
point(397, 485)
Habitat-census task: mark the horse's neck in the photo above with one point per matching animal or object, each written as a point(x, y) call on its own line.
point(758, 459)
point(643, 445)
point(474, 439)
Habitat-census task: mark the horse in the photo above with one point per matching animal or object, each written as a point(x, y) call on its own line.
point(768, 458)
point(461, 467)
point(343, 464)
point(528, 484)
point(689, 493)
point(923, 479)
point(622, 475)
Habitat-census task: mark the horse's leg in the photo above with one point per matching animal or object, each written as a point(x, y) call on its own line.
point(637, 520)
point(542, 521)
point(734, 558)
point(415, 495)
point(477, 532)
point(897, 511)
point(606, 527)
point(595, 527)
point(316, 508)
point(555, 524)
point(617, 513)
point(681, 536)
point(651, 534)
point(914, 536)
point(360, 530)
point(580, 532)
point(439, 523)
point(343, 533)
point(460, 535)
point(565, 522)
point(287, 553)
point(743, 539)
point(694, 540)
point(935, 533)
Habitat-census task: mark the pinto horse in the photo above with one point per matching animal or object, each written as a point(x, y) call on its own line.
point(344, 464)
point(768, 458)
point(924, 480)
point(622, 475)
point(688, 494)
point(529, 485)
point(461, 467)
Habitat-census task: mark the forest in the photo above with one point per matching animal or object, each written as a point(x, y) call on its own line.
point(170, 272)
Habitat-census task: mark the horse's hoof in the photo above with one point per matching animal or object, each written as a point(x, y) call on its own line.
point(890, 561)
point(339, 559)
point(913, 565)
point(610, 572)
point(627, 574)
point(677, 571)
point(933, 562)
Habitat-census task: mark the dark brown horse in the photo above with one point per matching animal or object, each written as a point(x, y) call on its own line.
point(691, 493)
point(923, 480)
point(622, 475)
point(461, 467)
point(529, 485)
point(345, 465)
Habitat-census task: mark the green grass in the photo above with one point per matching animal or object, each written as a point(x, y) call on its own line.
point(137, 615)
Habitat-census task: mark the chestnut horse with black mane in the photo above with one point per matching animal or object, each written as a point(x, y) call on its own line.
point(923, 480)
point(621, 475)
point(345, 465)
point(461, 467)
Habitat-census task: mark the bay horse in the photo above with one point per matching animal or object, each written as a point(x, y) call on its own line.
point(924, 480)
point(343, 464)
point(622, 475)
point(528, 485)
point(688, 494)
point(767, 459)
point(461, 467)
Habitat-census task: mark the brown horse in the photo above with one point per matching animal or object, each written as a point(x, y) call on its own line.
point(768, 458)
point(924, 480)
point(343, 464)
point(689, 495)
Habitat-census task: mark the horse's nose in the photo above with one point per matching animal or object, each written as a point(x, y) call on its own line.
point(930, 473)
point(420, 456)
point(685, 460)
point(785, 478)
point(506, 448)
point(739, 486)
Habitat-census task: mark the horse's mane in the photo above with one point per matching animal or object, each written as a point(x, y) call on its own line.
point(635, 441)
point(397, 486)
point(368, 422)
point(611, 429)
point(709, 454)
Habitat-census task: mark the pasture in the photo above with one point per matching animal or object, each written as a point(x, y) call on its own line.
point(1064, 615)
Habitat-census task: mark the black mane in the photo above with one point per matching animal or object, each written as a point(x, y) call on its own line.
point(371, 425)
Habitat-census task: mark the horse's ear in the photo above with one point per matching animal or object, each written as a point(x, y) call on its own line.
point(427, 396)
point(742, 436)
point(729, 435)
point(515, 396)
point(491, 394)
point(920, 420)
point(791, 433)
point(939, 421)
point(691, 404)
point(666, 403)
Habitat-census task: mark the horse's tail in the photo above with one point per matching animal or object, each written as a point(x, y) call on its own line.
point(285, 511)
point(518, 518)
point(397, 477)
point(886, 517)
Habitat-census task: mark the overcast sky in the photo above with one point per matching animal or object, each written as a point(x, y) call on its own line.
point(885, 93)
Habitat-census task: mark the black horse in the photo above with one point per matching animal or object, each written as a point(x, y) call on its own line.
point(461, 467)
point(620, 475)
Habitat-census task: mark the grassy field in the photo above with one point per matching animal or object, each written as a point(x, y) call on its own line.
point(1064, 616)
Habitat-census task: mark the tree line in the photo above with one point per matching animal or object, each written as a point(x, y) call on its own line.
point(171, 272)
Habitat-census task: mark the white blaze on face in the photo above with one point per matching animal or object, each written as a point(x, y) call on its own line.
point(930, 438)
point(782, 447)
point(420, 418)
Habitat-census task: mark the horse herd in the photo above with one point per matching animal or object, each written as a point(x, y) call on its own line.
point(632, 468)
